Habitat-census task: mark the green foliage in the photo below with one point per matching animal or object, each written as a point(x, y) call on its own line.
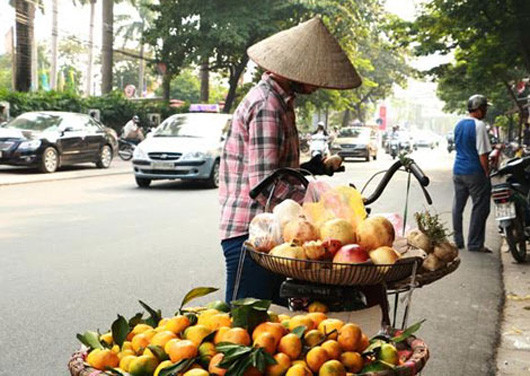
point(115, 109)
point(249, 312)
point(5, 72)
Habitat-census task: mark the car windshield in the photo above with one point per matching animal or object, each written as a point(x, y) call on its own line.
point(33, 121)
point(192, 125)
point(354, 133)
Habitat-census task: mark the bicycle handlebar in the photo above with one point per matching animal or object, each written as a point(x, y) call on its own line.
point(410, 166)
point(275, 176)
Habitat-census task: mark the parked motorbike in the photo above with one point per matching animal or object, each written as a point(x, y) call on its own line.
point(304, 144)
point(450, 145)
point(495, 157)
point(512, 209)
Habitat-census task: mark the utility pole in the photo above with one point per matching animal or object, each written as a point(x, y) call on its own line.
point(53, 70)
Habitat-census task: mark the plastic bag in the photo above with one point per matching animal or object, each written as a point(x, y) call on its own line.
point(264, 232)
point(323, 203)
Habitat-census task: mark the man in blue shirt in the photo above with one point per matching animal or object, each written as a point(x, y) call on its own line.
point(471, 175)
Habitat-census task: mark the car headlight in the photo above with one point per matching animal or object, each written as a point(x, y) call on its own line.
point(139, 153)
point(30, 145)
point(195, 155)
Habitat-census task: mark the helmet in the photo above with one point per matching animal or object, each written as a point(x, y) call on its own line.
point(476, 101)
point(136, 119)
point(321, 124)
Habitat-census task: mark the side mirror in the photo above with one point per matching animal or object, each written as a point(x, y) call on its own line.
point(68, 129)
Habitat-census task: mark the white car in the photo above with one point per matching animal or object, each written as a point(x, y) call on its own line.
point(184, 146)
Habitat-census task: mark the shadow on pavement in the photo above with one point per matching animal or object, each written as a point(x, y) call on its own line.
point(177, 185)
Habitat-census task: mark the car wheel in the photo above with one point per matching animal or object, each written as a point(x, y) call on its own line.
point(374, 157)
point(213, 180)
point(49, 161)
point(143, 183)
point(104, 157)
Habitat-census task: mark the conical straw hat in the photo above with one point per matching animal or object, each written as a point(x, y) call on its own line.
point(306, 53)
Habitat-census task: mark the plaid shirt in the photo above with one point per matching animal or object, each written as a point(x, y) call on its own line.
point(262, 138)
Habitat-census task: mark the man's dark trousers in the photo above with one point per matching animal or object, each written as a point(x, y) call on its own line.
point(477, 186)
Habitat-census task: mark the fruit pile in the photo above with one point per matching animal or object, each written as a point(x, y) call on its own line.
point(430, 239)
point(246, 340)
point(289, 232)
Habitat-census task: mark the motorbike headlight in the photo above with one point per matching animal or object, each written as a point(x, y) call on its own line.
point(139, 153)
point(194, 155)
point(30, 145)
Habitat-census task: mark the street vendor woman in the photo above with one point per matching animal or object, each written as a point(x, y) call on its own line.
point(263, 137)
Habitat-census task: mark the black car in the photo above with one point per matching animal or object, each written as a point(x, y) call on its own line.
point(49, 140)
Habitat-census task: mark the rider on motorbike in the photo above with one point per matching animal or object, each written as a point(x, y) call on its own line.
point(319, 141)
point(132, 131)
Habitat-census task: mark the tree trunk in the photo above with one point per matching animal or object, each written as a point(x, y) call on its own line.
point(24, 35)
point(53, 69)
point(106, 46)
point(166, 85)
point(88, 88)
point(235, 74)
point(141, 64)
point(205, 80)
point(346, 118)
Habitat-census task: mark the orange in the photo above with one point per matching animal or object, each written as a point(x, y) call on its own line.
point(140, 342)
point(252, 371)
point(283, 362)
point(290, 345)
point(160, 339)
point(163, 322)
point(273, 316)
point(276, 329)
point(107, 338)
point(126, 361)
point(332, 368)
point(139, 328)
point(328, 325)
point(177, 324)
point(353, 361)
point(220, 333)
point(267, 342)
point(318, 307)
point(164, 364)
point(124, 353)
point(213, 367)
point(143, 365)
point(196, 372)
point(299, 370)
point(149, 333)
point(333, 348)
point(300, 320)
point(205, 315)
point(239, 336)
point(314, 337)
point(196, 333)
point(206, 352)
point(179, 350)
point(365, 342)
point(218, 320)
point(101, 359)
point(317, 317)
point(316, 357)
point(350, 337)
point(283, 317)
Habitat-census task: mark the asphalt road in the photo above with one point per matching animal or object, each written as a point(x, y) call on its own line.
point(77, 252)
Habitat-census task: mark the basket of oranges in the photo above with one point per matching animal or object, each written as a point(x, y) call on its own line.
point(245, 339)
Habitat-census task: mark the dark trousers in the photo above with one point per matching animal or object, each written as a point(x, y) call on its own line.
point(477, 186)
point(256, 282)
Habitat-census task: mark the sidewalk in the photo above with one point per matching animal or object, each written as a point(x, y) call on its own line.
point(21, 175)
point(513, 352)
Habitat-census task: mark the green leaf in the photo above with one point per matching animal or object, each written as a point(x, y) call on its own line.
point(299, 331)
point(155, 316)
point(409, 331)
point(374, 346)
point(136, 319)
point(180, 367)
point(249, 313)
point(115, 371)
point(90, 339)
point(209, 337)
point(376, 366)
point(196, 293)
point(159, 352)
point(120, 328)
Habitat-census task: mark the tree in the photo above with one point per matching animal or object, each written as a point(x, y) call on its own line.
point(6, 72)
point(107, 45)
point(490, 43)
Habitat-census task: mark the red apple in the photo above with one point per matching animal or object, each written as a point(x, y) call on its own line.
point(332, 246)
point(351, 254)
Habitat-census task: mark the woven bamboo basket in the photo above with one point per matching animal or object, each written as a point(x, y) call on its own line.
point(425, 277)
point(420, 355)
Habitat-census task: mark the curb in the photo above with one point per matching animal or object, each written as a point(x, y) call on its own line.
point(513, 350)
point(58, 176)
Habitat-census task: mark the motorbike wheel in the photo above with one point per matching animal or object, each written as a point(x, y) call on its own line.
point(516, 239)
point(125, 152)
